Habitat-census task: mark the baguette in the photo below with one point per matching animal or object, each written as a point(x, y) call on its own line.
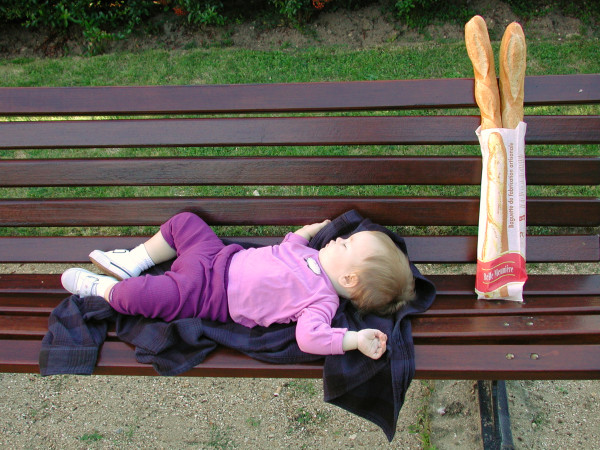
point(513, 55)
point(496, 233)
point(480, 53)
point(495, 239)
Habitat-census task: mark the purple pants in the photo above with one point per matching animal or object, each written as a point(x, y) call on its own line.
point(196, 285)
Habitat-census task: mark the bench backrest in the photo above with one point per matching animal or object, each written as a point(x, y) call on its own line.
point(336, 121)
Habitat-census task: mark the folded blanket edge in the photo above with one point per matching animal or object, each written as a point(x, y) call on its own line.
point(67, 360)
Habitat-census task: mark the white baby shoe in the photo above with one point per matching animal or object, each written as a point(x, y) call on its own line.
point(85, 283)
point(118, 263)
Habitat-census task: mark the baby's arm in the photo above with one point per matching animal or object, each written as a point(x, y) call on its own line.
point(315, 335)
point(369, 341)
point(310, 231)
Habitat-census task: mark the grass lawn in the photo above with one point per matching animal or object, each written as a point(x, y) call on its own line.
point(228, 65)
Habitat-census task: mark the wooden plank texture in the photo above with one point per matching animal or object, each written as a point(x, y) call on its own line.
point(508, 362)
point(422, 249)
point(564, 329)
point(536, 285)
point(432, 361)
point(269, 131)
point(461, 285)
point(544, 294)
point(555, 211)
point(40, 304)
point(275, 171)
point(324, 96)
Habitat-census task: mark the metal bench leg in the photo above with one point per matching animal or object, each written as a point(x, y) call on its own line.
point(495, 417)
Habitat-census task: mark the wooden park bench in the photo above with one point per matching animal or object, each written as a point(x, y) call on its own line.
point(367, 143)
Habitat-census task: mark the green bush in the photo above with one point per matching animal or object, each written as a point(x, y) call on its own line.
point(200, 12)
point(418, 13)
point(586, 10)
point(99, 20)
point(104, 20)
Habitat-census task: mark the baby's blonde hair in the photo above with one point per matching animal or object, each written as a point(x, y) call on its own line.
point(385, 281)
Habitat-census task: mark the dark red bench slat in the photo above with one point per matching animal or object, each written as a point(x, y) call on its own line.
point(239, 211)
point(38, 294)
point(457, 211)
point(566, 329)
point(422, 249)
point(41, 304)
point(267, 131)
point(577, 284)
point(324, 96)
point(536, 285)
point(118, 358)
point(508, 362)
point(551, 303)
point(275, 170)
point(432, 362)
point(241, 171)
point(23, 326)
point(563, 328)
point(463, 249)
point(249, 98)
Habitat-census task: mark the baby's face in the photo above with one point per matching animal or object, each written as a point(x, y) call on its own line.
point(343, 256)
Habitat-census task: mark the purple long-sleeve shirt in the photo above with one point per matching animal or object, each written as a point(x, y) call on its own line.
point(286, 283)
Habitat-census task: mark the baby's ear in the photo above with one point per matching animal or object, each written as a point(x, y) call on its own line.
point(349, 280)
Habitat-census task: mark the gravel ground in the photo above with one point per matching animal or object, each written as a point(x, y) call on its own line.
point(77, 412)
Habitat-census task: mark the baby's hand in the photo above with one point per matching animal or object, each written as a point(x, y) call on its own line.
point(310, 231)
point(372, 342)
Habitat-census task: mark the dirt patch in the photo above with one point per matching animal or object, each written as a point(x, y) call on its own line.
point(72, 412)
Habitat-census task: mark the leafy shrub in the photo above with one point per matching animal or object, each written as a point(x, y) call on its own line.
point(586, 10)
point(123, 15)
point(418, 13)
point(199, 12)
point(99, 20)
point(104, 20)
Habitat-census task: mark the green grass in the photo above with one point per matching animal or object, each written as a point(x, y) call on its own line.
point(220, 438)
point(422, 422)
point(91, 437)
point(222, 66)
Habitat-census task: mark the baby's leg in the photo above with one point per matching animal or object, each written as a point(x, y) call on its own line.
point(124, 264)
point(158, 249)
point(150, 296)
point(180, 292)
point(184, 232)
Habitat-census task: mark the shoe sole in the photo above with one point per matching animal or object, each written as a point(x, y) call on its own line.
point(103, 263)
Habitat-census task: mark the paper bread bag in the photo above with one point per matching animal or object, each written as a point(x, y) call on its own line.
point(501, 271)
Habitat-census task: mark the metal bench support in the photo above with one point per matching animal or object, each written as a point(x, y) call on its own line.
point(495, 416)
